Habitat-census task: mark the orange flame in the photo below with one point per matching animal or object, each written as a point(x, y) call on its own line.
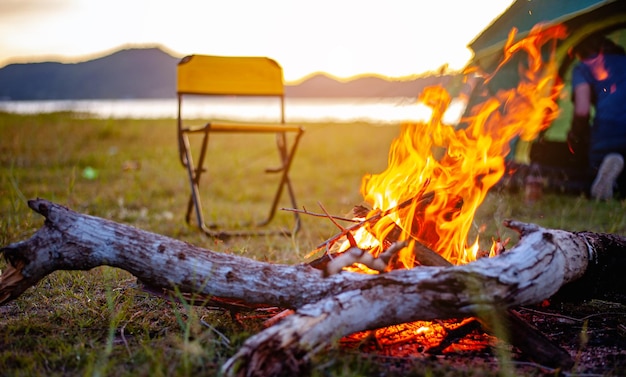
point(438, 175)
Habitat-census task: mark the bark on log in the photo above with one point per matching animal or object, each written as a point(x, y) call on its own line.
point(327, 308)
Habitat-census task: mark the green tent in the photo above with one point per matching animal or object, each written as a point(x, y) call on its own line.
point(581, 19)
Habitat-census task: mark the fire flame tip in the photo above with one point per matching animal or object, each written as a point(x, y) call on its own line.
point(438, 175)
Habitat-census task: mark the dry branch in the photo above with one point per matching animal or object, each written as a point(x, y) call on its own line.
point(327, 308)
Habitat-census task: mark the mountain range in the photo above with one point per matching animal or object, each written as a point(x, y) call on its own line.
point(151, 73)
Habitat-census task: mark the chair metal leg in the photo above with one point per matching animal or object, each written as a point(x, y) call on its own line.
point(287, 158)
point(296, 215)
point(195, 172)
point(193, 181)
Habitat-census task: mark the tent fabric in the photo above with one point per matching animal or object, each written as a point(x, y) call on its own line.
point(524, 14)
point(580, 17)
point(219, 75)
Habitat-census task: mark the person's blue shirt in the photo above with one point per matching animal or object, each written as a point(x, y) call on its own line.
point(606, 75)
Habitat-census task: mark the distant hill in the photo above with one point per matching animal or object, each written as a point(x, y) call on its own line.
point(321, 85)
point(132, 73)
point(151, 73)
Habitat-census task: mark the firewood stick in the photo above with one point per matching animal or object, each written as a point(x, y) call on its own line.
point(534, 344)
point(355, 255)
point(455, 335)
point(304, 211)
point(422, 198)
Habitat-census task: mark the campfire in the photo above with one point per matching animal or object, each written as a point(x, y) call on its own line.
point(439, 174)
point(418, 212)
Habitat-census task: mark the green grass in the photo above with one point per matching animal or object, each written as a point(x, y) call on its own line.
point(97, 323)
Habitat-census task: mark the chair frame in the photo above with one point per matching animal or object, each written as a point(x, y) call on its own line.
point(194, 172)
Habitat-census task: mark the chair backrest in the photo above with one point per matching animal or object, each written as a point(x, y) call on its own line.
point(227, 75)
point(230, 75)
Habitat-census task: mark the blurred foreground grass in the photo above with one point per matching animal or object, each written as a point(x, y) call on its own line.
point(97, 323)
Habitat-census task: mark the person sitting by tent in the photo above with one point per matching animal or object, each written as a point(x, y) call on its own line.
point(599, 81)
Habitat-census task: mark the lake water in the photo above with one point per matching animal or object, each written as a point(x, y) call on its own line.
point(377, 110)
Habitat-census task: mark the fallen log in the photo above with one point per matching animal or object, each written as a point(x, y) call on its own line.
point(327, 308)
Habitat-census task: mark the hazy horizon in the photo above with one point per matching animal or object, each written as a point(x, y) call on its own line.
point(102, 54)
point(344, 39)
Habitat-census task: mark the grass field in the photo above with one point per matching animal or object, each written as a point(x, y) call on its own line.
point(97, 323)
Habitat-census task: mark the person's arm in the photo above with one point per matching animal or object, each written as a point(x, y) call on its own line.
point(582, 100)
point(578, 135)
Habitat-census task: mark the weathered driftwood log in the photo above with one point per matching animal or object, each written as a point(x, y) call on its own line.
point(327, 307)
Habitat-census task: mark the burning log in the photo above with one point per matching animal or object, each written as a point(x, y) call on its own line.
point(326, 308)
point(521, 334)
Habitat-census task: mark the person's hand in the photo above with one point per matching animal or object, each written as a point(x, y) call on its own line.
point(572, 142)
point(578, 135)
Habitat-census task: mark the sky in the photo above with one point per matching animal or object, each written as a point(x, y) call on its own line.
point(344, 38)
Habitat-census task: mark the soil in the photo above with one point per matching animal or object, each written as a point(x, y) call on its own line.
point(593, 332)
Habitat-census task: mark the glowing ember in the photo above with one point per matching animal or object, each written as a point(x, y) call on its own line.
point(410, 339)
point(438, 175)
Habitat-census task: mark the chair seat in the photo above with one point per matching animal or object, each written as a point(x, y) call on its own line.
point(244, 127)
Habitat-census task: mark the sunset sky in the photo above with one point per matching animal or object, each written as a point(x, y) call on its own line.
point(342, 37)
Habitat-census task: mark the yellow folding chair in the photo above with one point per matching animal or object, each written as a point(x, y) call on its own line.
point(201, 75)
